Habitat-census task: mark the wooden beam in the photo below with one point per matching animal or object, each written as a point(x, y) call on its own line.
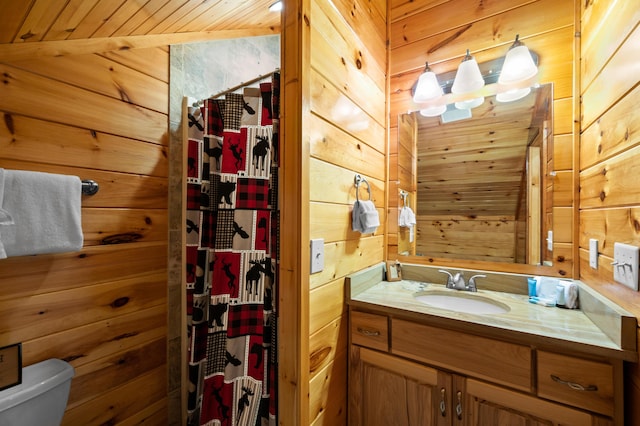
point(15, 51)
point(293, 340)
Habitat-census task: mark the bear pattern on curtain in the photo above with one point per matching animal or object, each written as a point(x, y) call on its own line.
point(231, 257)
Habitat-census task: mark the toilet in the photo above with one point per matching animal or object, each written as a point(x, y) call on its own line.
point(41, 398)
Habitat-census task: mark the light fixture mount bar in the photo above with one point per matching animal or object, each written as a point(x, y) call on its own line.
point(490, 71)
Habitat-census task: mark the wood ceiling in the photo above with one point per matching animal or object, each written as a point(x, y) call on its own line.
point(476, 167)
point(28, 21)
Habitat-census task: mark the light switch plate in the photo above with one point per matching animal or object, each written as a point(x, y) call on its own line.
point(625, 264)
point(550, 240)
point(593, 253)
point(317, 255)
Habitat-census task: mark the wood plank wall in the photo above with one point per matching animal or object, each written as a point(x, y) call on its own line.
point(440, 32)
point(343, 120)
point(103, 309)
point(610, 153)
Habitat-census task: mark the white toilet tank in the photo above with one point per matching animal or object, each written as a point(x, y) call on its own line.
point(41, 398)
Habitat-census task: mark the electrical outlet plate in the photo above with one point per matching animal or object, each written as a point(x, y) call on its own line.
point(625, 266)
point(593, 253)
point(317, 255)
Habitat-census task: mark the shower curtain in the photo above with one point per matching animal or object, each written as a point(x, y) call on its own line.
point(232, 257)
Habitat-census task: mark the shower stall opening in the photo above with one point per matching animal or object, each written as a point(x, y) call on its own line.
point(223, 231)
point(232, 231)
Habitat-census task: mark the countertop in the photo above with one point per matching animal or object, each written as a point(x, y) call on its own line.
point(524, 322)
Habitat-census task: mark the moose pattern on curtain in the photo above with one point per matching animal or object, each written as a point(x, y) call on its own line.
point(231, 257)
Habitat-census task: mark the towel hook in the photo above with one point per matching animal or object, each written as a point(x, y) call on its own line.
point(89, 187)
point(357, 180)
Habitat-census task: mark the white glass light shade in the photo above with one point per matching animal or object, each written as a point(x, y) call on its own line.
point(427, 88)
point(513, 95)
point(518, 66)
point(471, 103)
point(433, 111)
point(276, 7)
point(468, 77)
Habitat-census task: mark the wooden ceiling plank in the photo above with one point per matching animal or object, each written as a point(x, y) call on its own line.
point(214, 17)
point(247, 18)
point(166, 10)
point(13, 14)
point(128, 9)
point(100, 14)
point(39, 19)
point(188, 21)
point(188, 18)
point(184, 9)
point(74, 12)
point(140, 17)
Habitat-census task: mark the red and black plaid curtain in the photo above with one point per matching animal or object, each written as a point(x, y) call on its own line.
point(232, 256)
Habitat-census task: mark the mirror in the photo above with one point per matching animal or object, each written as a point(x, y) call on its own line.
point(480, 183)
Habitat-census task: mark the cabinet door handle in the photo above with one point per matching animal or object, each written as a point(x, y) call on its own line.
point(459, 406)
point(443, 404)
point(368, 332)
point(573, 385)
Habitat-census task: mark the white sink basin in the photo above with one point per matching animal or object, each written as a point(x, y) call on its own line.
point(462, 302)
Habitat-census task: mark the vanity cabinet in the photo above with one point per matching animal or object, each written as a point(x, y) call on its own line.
point(407, 373)
point(387, 390)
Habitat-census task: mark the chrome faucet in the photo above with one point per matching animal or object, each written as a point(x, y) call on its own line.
point(457, 281)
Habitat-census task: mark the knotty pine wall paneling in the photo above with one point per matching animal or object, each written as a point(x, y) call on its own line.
point(103, 309)
point(609, 154)
point(343, 66)
point(440, 32)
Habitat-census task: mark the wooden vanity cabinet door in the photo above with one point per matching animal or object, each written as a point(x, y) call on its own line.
point(386, 390)
point(488, 404)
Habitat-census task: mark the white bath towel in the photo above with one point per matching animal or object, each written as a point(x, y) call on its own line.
point(364, 217)
point(39, 213)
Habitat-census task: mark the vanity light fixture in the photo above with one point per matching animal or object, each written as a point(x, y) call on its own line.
point(518, 67)
point(427, 89)
point(513, 75)
point(433, 111)
point(276, 7)
point(468, 79)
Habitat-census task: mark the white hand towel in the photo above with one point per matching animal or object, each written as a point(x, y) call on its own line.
point(364, 217)
point(39, 213)
point(406, 218)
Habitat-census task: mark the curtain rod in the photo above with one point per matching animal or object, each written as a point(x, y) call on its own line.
point(246, 83)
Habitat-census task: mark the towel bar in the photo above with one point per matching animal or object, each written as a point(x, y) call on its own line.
point(89, 187)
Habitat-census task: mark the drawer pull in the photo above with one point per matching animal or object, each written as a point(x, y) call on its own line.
point(368, 332)
point(574, 386)
point(443, 405)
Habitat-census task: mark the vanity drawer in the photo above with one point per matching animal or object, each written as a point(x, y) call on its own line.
point(484, 358)
point(578, 382)
point(369, 330)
